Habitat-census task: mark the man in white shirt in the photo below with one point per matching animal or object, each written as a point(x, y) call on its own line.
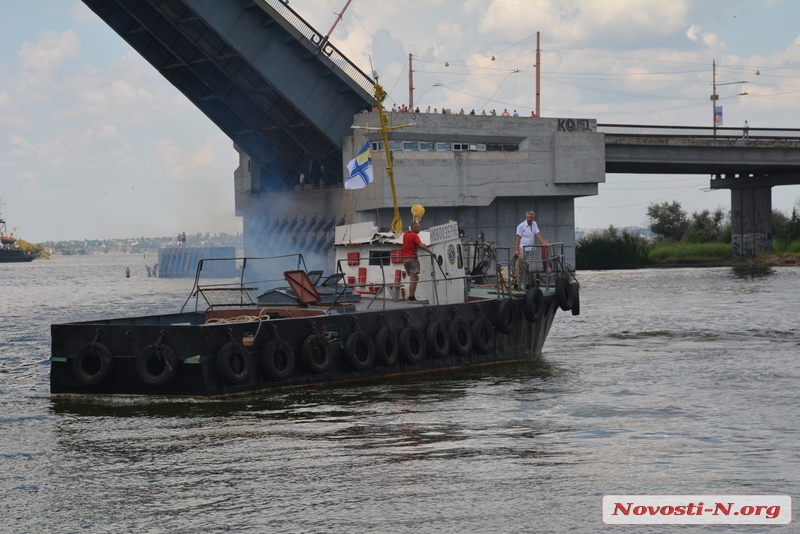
point(523, 247)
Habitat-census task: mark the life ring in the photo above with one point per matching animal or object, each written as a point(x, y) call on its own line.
point(564, 293)
point(534, 305)
point(157, 364)
point(92, 364)
point(547, 260)
point(576, 300)
point(233, 364)
point(277, 359)
point(506, 316)
point(387, 349)
point(412, 345)
point(482, 335)
point(460, 336)
point(316, 354)
point(437, 339)
point(359, 350)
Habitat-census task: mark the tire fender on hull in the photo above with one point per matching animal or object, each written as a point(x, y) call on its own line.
point(277, 359)
point(359, 351)
point(507, 316)
point(460, 336)
point(233, 364)
point(437, 339)
point(533, 306)
point(387, 348)
point(564, 293)
point(482, 335)
point(316, 354)
point(157, 364)
point(576, 299)
point(412, 345)
point(92, 364)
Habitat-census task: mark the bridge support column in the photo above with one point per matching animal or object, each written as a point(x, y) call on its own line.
point(751, 221)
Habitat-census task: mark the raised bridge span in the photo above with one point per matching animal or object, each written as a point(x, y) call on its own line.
point(286, 97)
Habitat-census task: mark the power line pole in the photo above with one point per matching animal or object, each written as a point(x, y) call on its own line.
point(538, 69)
point(410, 84)
point(714, 95)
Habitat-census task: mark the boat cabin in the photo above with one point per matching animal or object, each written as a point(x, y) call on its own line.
point(372, 262)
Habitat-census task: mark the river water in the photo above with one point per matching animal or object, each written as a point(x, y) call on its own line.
point(670, 381)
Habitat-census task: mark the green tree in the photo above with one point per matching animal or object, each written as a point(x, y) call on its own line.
point(706, 227)
point(668, 221)
point(786, 228)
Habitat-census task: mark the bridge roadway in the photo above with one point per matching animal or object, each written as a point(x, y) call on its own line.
point(748, 167)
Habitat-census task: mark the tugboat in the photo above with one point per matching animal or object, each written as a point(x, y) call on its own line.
point(9, 249)
point(279, 324)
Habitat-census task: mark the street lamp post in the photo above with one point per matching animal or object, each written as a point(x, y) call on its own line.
point(714, 96)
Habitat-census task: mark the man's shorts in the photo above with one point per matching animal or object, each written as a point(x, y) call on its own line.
point(412, 266)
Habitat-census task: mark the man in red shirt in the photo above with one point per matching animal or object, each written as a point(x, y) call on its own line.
point(411, 242)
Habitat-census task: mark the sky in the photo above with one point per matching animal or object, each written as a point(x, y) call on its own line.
point(95, 144)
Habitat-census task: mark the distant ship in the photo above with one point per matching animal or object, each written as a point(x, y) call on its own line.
point(9, 250)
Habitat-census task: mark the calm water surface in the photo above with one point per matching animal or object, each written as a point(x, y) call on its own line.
point(670, 381)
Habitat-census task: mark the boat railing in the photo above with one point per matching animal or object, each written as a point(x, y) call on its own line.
point(540, 265)
point(255, 274)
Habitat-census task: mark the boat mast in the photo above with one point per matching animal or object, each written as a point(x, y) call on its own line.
point(380, 94)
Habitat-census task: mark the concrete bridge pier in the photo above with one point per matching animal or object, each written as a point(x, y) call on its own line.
point(751, 221)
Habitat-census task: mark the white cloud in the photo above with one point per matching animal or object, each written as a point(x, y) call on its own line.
point(50, 51)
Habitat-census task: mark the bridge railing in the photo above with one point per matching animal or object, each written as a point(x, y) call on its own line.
point(323, 45)
point(791, 134)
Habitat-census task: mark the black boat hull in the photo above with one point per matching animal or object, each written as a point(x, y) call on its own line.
point(16, 256)
point(198, 346)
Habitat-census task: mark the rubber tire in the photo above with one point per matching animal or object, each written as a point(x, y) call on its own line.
point(507, 316)
point(482, 335)
point(387, 348)
point(162, 352)
point(564, 294)
point(437, 340)
point(271, 366)
point(311, 345)
point(576, 299)
point(410, 339)
point(359, 343)
point(460, 336)
point(95, 350)
point(225, 364)
point(534, 305)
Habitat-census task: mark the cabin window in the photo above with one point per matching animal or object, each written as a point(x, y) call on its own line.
point(395, 145)
point(459, 257)
point(460, 146)
point(442, 146)
point(380, 257)
point(409, 145)
point(426, 146)
point(377, 145)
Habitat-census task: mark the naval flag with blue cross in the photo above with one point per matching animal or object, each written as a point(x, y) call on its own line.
point(360, 169)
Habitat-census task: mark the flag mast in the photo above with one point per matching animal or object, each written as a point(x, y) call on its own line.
point(380, 94)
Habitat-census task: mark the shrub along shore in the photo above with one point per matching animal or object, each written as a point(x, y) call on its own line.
point(702, 240)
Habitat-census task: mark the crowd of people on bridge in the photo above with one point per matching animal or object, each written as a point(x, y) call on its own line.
point(447, 111)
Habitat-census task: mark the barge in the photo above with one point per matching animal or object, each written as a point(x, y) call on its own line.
point(263, 331)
